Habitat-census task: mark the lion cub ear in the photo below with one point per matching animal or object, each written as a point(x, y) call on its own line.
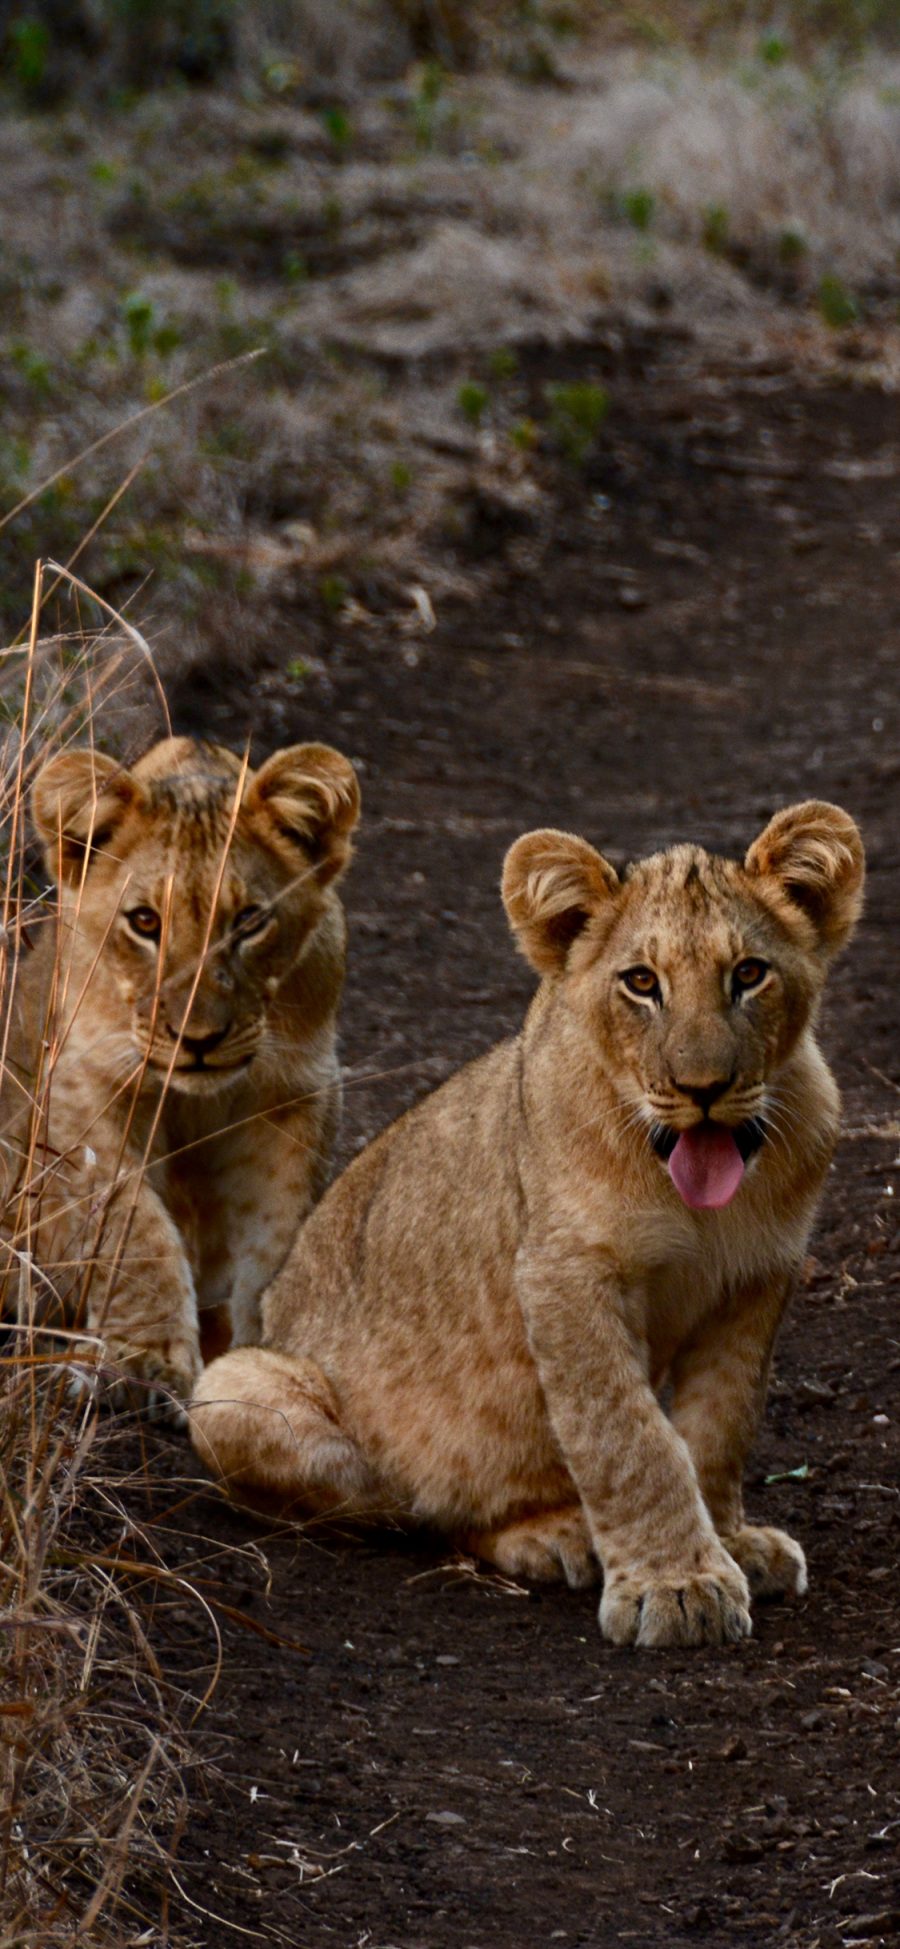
point(552, 885)
point(77, 801)
point(307, 796)
point(815, 855)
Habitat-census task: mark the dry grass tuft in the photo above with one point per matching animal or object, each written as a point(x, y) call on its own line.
point(96, 1748)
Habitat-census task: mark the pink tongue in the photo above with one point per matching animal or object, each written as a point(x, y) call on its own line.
point(706, 1166)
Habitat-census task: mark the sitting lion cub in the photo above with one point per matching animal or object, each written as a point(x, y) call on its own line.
point(472, 1329)
point(177, 1028)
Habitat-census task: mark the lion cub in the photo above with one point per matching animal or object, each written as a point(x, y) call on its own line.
point(472, 1328)
point(177, 1030)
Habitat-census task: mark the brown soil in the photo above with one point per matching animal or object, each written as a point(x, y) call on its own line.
point(699, 627)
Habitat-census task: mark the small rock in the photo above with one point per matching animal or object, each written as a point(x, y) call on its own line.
point(813, 1394)
point(741, 1847)
point(446, 1819)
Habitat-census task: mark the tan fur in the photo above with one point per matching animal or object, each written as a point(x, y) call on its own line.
point(473, 1327)
point(188, 1086)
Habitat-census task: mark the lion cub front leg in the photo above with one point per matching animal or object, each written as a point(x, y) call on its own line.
point(137, 1290)
point(719, 1382)
point(668, 1580)
point(275, 1169)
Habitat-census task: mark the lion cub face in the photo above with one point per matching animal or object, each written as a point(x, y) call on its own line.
point(693, 976)
point(197, 884)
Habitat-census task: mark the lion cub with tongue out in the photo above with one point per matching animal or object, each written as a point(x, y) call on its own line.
point(473, 1326)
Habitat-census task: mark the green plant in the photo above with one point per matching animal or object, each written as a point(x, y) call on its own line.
point(339, 128)
point(472, 399)
point(793, 245)
point(226, 291)
point(29, 48)
point(294, 268)
point(715, 229)
point(145, 330)
point(333, 591)
point(33, 367)
point(524, 435)
point(837, 304)
point(503, 363)
point(426, 104)
point(577, 410)
point(401, 476)
point(639, 206)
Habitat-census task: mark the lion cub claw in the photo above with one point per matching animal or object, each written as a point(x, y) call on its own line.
point(708, 1607)
point(773, 1564)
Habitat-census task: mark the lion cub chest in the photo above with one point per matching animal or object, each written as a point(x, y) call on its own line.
point(683, 1268)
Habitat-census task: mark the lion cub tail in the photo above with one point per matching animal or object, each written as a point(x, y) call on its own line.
point(269, 1427)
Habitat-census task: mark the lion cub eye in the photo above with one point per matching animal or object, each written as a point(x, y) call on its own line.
point(642, 981)
point(145, 922)
point(250, 921)
point(748, 974)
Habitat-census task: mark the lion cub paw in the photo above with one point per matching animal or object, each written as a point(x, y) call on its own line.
point(155, 1381)
point(707, 1607)
point(546, 1549)
point(773, 1564)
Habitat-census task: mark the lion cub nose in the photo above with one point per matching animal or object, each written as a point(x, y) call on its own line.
point(200, 1045)
point(705, 1094)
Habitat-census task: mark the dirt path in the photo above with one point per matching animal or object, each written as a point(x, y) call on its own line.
point(701, 627)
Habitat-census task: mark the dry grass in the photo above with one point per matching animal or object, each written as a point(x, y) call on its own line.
point(97, 1756)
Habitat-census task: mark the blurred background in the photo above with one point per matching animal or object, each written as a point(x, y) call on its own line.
point(449, 229)
point(507, 394)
